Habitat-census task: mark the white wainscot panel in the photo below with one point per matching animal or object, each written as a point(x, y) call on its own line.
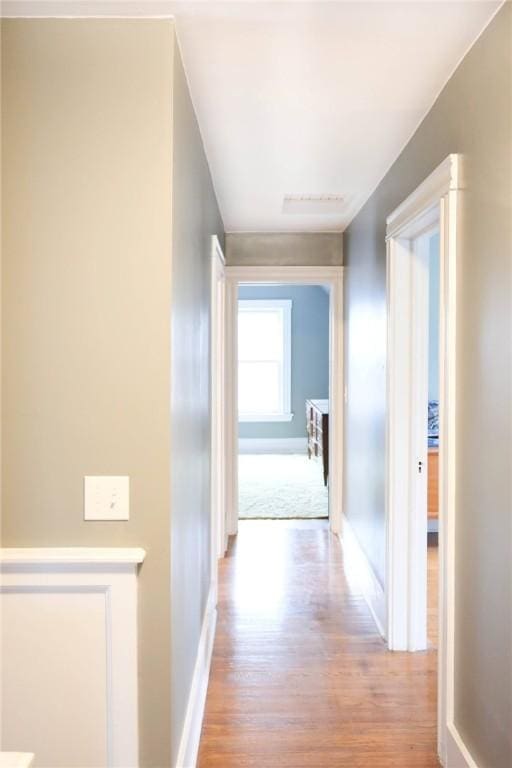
point(69, 656)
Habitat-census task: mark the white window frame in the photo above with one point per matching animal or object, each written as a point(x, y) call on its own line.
point(285, 305)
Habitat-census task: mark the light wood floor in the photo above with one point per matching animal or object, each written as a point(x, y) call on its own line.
point(432, 594)
point(300, 678)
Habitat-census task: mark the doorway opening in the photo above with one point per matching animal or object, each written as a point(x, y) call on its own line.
point(274, 462)
point(434, 207)
point(431, 247)
point(424, 437)
point(283, 402)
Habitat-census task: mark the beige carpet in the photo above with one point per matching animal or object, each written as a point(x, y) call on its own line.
point(279, 486)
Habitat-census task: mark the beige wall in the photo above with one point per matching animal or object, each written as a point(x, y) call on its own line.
point(472, 116)
point(322, 249)
point(86, 175)
point(196, 218)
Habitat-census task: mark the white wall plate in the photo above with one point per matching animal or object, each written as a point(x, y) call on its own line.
point(106, 497)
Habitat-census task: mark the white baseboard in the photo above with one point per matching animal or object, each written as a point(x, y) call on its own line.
point(360, 572)
point(457, 753)
point(273, 445)
point(191, 734)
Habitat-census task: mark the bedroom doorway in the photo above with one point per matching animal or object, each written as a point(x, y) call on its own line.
point(410, 231)
point(424, 438)
point(283, 378)
point(432, 438)
point(268, 469)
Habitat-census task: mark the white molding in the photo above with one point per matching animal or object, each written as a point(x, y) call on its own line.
point(191, 734)
point(86, 9)
point(273, 445)
point(231, 405)
point(218, 541)
point(457, 753)
point(16, 759)
point(407, 375)
point(96, 557)
point(266, 275)
point(437, 199)
point(449, 258)
point(332, 277)
point(359, 571)
point(48, 573)
point(217, 252)
point(336, 395)
point(263, 418)
point(447, 177)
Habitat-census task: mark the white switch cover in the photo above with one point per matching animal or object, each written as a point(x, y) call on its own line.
point(106, 497)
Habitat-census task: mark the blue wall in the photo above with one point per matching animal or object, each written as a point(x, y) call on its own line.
point(433, 331)
point(310, 354)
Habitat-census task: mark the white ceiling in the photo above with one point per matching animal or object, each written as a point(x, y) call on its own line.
point(314, 97)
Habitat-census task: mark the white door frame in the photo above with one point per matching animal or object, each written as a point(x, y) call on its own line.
point(435, 203)
point(268, 275)
point(217, 401)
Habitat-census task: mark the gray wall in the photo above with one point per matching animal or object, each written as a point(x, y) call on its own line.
point(196, 218)
point(433, 319)
point(321, 249)
point(86, 261)
point(105, 342)
point(472, 115)
point(310, 354)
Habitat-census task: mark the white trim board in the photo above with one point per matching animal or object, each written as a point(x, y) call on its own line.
point(217, 403)
point(359, 571)
point(251, 418)
point(191, 733)
point(84, 556)
point(447, 177)
point(102, 584)
point(435, 203)
point(457, 753)
point(16, 759)
point(273, 445)
point(279, 275)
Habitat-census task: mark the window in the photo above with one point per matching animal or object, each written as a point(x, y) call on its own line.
point(264, 360)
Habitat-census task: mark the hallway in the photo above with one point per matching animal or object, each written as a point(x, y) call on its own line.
point(300, 678)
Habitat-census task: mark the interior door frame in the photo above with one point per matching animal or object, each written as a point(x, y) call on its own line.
point(435, 203)
point(218, 541)
point(272, 275)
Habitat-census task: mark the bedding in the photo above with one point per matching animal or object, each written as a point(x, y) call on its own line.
point(433, 423)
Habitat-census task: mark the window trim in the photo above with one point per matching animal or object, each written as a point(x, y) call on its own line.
point(285, 305)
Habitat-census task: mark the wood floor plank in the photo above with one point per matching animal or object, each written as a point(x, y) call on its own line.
point(300, 678)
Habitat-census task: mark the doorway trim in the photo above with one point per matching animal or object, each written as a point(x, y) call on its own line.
point(436, 202)
point(218, 420)
point(272, 275)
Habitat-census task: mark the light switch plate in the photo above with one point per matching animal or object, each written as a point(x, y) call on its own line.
point(106, 497)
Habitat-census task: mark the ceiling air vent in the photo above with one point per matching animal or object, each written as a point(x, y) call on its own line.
point(313, 204)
